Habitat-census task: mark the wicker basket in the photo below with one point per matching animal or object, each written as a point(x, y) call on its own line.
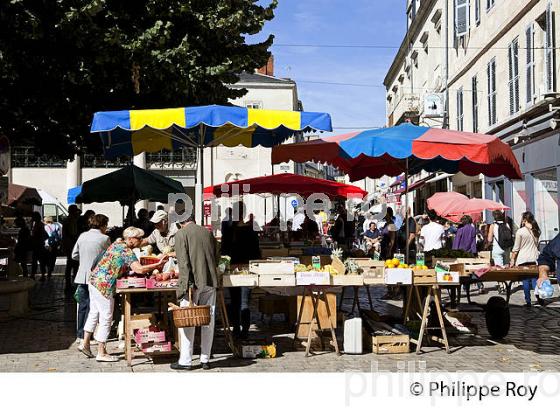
point(191, 316)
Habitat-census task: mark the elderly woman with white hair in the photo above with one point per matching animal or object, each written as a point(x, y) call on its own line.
point(116, 261)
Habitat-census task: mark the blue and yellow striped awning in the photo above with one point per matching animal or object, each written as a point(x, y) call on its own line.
point(130, 132)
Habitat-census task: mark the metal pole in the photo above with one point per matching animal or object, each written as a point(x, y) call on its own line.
point(201, 204)
point(406, 208)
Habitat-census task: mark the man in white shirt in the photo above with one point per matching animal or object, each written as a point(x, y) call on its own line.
point(432, 233)
point(299, 217)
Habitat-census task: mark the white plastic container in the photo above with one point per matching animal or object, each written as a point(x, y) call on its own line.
point(353, 336)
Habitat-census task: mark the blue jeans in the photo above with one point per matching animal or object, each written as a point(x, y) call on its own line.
point(83, 308)
point(529, 284)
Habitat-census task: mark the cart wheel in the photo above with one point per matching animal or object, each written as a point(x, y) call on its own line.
point(497, 317)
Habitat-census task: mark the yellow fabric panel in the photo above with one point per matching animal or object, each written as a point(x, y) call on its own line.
point(149, 140)
point(232, 136)
point(274, 119)
point(160, 119)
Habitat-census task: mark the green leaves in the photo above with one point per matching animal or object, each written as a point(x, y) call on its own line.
point(62, 60)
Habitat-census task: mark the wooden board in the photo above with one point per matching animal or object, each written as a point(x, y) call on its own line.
point(322, 312)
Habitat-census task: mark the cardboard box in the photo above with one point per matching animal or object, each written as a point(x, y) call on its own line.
point(398, 276)
point(250, 351)
point(277, 280)
point(126, 283)
point(313, 278)
point(153, 284)
point(232, 281)
point(272, 267)
point(347, 280)
point(447, 278)
point(142, 320)
point(338, 265)
point(146, 335)
point(152, 347)
point(307, 259)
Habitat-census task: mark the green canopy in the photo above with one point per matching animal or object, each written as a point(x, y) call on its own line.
point(127, 186)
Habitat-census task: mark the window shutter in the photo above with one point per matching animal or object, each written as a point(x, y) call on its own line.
point(530, 68)
point(474, 88)
point(477, 12)
point(549, 51)
point(461, 17)
point(489, 76)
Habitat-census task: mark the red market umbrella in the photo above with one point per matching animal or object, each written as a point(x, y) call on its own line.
point(406, 147)
point(452, 205)
point(285, 184)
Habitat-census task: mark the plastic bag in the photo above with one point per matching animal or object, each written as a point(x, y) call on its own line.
point(545, 291)
point(170, 265)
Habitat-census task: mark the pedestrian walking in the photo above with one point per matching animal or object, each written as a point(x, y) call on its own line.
point(87, 250)
point(525, 250)
point(52, 243)
point(500, 236)
point(38, 238)
point(197, 257)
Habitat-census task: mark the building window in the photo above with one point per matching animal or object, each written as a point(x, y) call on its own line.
point(255, 105)
point(474, 87)
point(477, 12)
point(460, 110)
point(513, 53)
point(549, 49)
point(530, 68)
point(490, 4)
point(491, 73)
point(546, 203)
point(461, 18)
point(411, 12)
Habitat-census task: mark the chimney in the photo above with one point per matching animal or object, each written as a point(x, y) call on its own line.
point(268, 69)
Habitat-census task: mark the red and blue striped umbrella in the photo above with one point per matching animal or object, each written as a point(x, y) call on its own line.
point(387, 151)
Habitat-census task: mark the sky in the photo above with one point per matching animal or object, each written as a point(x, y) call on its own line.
point(338, 22)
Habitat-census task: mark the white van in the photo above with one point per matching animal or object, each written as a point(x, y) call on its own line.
point(52, 207)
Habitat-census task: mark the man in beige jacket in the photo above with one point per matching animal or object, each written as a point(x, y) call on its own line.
point(197, 257)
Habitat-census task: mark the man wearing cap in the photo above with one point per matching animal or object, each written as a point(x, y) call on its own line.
point(163, 236)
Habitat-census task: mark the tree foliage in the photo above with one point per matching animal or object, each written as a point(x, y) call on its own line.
point(62, 60)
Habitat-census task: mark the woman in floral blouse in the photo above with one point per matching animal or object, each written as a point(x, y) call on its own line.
point(116, 261)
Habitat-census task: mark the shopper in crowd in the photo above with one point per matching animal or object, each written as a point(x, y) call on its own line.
point(372, 237)
point(163, 236)
point(52, 243)
point(69, 238)
point(245, 247)
point(349, 230)
point(143, 221)
point(500, 237)
point(432, 234)
point(549, 261)
point(405, 242)
point(525, 250)
point(116, 261)
point(87, 250)
point(38, 237)
point(309, 228)
point(337, 230)
point(23, 245)
point(388, 236)
point(83, 221)
point(465, 238)
point(197, 257)
point(298, 219)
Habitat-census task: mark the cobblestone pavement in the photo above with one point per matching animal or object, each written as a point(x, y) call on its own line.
point(44, 342)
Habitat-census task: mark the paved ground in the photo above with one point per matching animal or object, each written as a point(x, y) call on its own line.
point(44, 342)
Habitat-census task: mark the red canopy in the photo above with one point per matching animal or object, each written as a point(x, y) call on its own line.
point(287, 184)
point(452, 205)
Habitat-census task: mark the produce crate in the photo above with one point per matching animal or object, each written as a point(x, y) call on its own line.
point(126, 283)
point(307, 259)
point(398, 276)
point(142, 320)
point(232, 281)
point(265, 253)
point(392, 344)
point(277, 280)
point(465, 269)
point(146, 335)
point(338, 265)
point(347, 280)
point(148, 260)
point(313, 278)
point(272, 267)
point(424, 277)
point(154, 347)
point(166, 284)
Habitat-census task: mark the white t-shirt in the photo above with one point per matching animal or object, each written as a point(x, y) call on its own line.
point(432, 234)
